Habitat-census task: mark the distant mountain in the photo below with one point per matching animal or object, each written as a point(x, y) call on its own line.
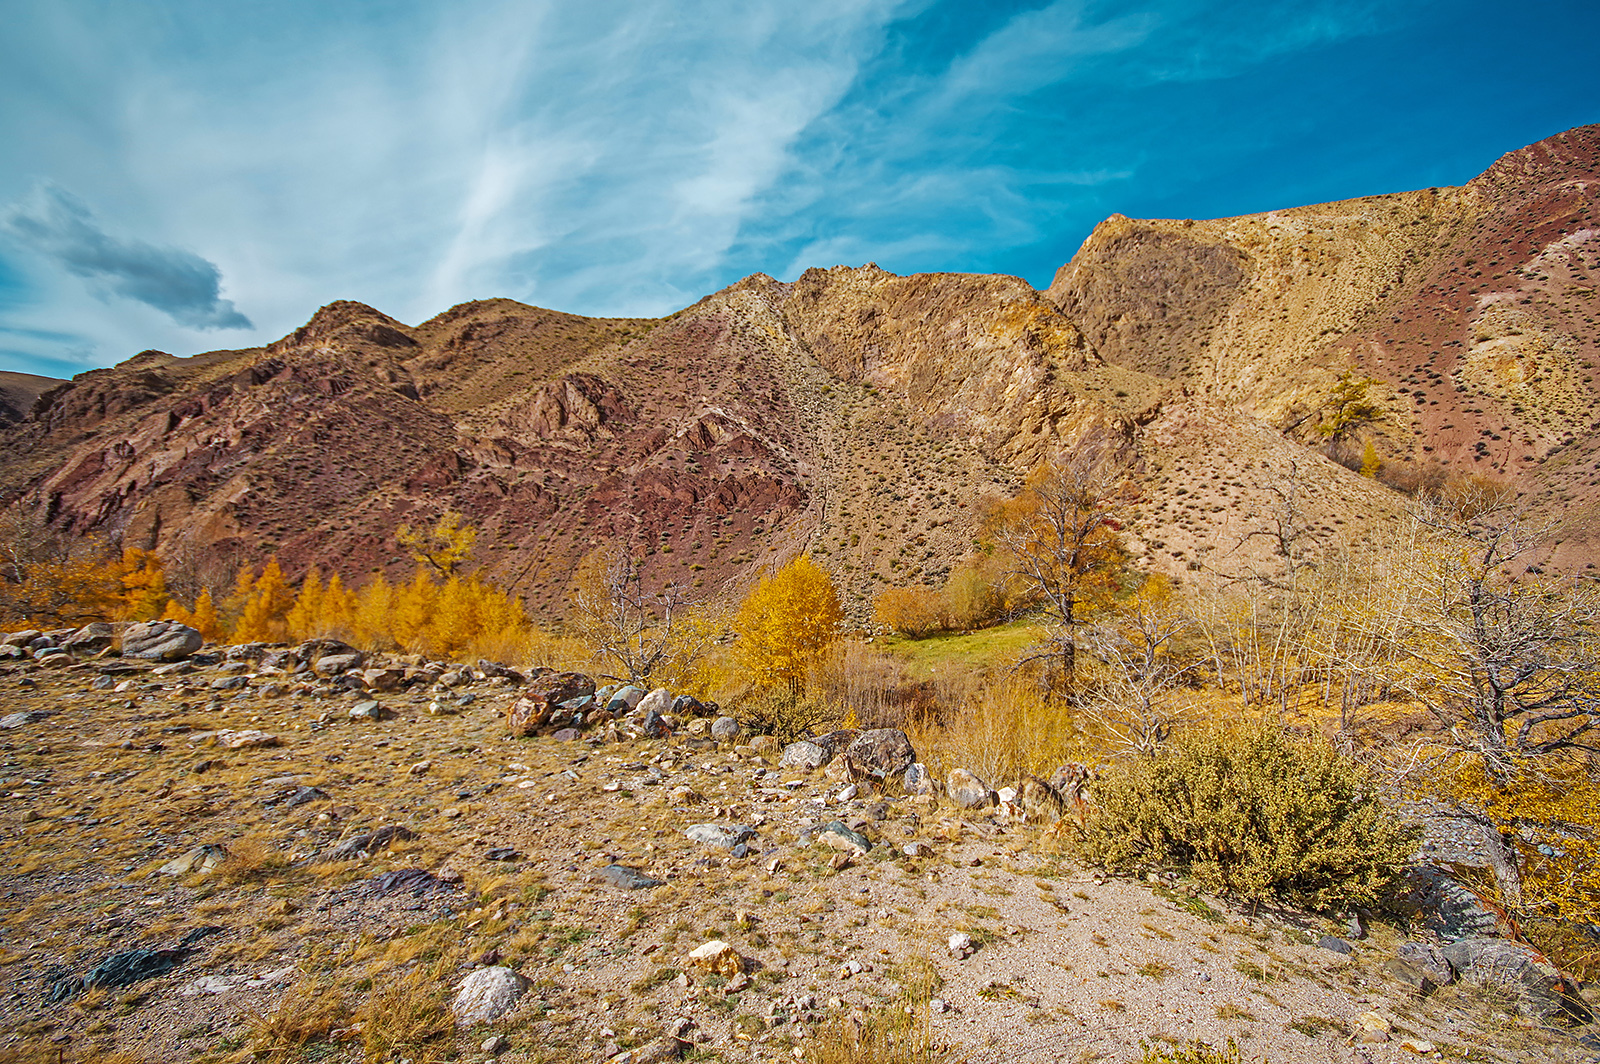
point(865, 416)
point(18, 392)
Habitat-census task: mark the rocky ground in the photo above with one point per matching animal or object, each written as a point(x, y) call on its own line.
point(314, 933)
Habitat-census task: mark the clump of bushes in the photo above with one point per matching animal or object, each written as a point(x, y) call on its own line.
point(1255, 812)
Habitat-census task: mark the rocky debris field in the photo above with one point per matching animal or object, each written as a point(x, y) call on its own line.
point(303, 853)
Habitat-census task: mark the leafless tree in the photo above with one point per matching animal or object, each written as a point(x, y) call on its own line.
point(1505, 655)
point(1133, 701)
point(633, 630)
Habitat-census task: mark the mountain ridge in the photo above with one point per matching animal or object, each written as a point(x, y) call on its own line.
point(865, 416)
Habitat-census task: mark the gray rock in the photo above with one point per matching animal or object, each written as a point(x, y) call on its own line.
point(11, 653)
point(624, 699)
point(626, 878)
point(720, 836)
point(337, 664)
point(659, 700)
point(839, 837)
point(805, 754)
point(1440, 905)
point(369, 710)
point(230, 683)
point(22, 638)
point(160, 641)
point(91, 639)
point(881, 753)
point(487, 994)
point(19, 720)
point(566, 735)
point(1540, 988)
point(1334, 944)
point(967, 790)
point(368, 842)
point(725, 729)
point(920, 781)
point(652, 726)
point(1429, 959)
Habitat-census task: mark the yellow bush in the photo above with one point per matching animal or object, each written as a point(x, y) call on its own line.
point(911, 611)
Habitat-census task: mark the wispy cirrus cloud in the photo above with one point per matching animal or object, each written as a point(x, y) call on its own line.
point(182, 285)
point(627, 158)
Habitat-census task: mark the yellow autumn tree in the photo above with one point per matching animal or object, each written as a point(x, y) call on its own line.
point(370, 615)
point(413, 611)
point(444, 547)
point(144, 585)
point(785, 624)
point(336, 610)
point(306, 613)
point(203, 618)
point(263, 618)
point(911, 611)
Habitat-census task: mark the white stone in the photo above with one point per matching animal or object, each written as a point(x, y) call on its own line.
point(487, 994)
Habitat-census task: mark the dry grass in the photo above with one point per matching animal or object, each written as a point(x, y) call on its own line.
point(405, 1015)
point(898, 1033)
point(305, 1014)
point(1003, 731)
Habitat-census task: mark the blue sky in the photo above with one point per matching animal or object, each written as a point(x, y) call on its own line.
point(189, 176)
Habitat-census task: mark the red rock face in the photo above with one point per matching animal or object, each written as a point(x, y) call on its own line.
point(859, 415)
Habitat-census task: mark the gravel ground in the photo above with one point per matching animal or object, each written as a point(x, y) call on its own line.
point(1065, 966)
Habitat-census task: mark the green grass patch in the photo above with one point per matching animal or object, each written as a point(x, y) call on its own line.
point(1000, 645)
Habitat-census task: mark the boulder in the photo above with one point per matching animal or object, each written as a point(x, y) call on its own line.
point(717, 957)
point(160, 641)
point(659, 701)
point(1041, 803)
point(487, 994)
point(836, 835)
point(337, 664)
point(22, 638)
point(369, 710)
point(626, 878)
point(368, 842)
point(625, 699)
point(881, 753)
point(720, 836)
point(725, 729)
point(652, 725)
point(247, 739)
point(685, 706)
point(542, 703)
point(90, 640)
point(385, 680)
point(8, 652)
point(1519, 969)
point(967, 790)
point(805, 754)
point(202, 859)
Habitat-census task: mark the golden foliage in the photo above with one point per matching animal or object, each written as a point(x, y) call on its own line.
point(144, 585)
point(263, 615)
point(1549, 809)
point(786, 622)
point(444, 547)
point(911, 611)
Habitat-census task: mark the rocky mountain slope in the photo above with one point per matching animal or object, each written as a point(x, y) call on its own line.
point(866, 417)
